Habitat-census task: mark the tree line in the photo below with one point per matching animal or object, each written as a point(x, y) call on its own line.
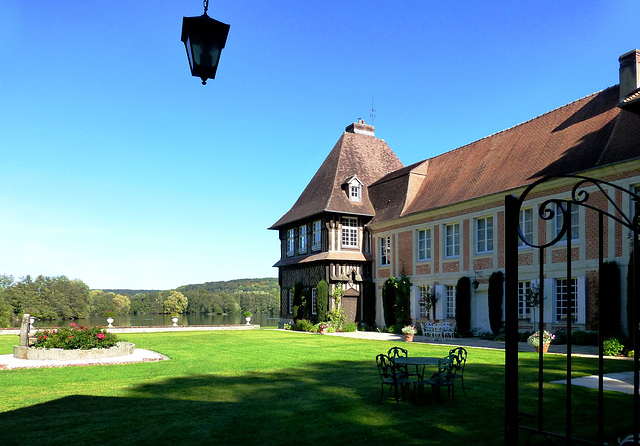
point(62, 298)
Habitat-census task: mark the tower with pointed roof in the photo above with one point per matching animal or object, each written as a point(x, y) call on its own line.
point(324, 235)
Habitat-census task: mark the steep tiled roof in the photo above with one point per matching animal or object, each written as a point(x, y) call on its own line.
point(355, 154)
point(582, 135)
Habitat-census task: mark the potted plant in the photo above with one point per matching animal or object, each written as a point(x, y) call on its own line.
point(408, 331)
point(174, 318)
point(247, 316)
point(323, 327)
point(535, 340)
point(110, 318)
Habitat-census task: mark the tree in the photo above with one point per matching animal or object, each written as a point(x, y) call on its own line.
point(463, 306)
point(322, 300)
point(403, 300)
point(175, 303)
point(369, 302)
point(495, 301)
point(389, 301)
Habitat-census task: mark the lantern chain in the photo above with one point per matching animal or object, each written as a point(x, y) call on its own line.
point(205, 3)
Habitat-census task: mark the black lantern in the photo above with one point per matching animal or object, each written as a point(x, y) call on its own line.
point(204, 39)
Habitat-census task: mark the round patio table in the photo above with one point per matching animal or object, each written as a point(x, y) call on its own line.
point(416, 361)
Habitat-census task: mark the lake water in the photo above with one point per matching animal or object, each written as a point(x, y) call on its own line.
point(135, 320)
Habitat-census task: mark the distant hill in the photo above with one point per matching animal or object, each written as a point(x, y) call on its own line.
point(131, 292)
point(265, 285)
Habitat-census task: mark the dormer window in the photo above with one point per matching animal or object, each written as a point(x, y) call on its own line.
point(354, 188)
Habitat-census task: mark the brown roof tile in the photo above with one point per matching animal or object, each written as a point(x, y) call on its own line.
point(582, 135)
point(362, 155)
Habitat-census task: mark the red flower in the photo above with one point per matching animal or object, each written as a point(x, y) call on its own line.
point(100, 335)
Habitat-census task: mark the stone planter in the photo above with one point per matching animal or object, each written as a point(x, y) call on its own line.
point(175, 321)
point(110, 321)
point(248, 319)
point(323, 331)
point(408, 337)
point(46, 354)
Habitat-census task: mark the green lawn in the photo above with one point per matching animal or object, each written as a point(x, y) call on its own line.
point(272, 387)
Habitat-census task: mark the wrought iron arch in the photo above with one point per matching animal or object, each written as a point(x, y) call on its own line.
point(548, 207)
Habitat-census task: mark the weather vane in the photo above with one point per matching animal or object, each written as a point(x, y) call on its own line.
point(373, 110)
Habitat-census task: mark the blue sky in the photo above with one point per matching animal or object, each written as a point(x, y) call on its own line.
point(120, 169)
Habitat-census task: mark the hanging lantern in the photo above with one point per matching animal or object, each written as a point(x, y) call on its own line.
point(204, 39)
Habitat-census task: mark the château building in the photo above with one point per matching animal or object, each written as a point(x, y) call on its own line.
point(364, 217)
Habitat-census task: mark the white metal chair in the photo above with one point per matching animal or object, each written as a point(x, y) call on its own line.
point(437, 331)
point(427, 330)
point(447, 330)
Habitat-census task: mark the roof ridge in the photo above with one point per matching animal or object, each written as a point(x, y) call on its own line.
point(523, 122)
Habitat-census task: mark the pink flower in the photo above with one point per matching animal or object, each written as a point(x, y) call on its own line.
point(100, 335)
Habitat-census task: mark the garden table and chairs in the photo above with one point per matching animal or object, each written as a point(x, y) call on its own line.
point(396, 371)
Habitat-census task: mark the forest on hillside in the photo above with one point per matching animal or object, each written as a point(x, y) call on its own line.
point(62, 298)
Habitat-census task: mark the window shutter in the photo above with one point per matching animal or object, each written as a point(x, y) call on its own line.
point(549, 300)
point(581, 301)
point(442, 302)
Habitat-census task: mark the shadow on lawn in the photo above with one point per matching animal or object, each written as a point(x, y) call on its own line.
point(336, 402)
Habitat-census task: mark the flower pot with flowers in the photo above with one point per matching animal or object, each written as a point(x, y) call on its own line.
point(323, 327)
point(536, 340)
point(408, 331)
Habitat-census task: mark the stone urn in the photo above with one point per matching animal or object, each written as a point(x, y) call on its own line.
point(408, 337)
point(248, 319)
point(175, 320)
point(323, 331)
point(110, 321)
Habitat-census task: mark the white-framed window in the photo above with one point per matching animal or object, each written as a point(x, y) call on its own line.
point(575, 222)
point(302, 239)
point(314, 301)
point(524, 287)
point(423, 292)
point(484, 235)
point(424, 245)
point(349, 232)
point(316, 243)
point(385, 251)
point(562, 298)
point(452, 240)
point(291, 242)
point(526, 227)
point(355, 191)
point(450, 293)
point(290, 301)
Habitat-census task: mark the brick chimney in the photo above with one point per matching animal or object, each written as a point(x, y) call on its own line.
point(360, 127)
point(629, 73)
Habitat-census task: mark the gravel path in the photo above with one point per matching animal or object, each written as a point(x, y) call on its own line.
point(139, 355)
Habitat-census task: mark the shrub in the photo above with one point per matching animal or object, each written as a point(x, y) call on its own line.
point(561, 337)
point(612, 347)
point(75, 337)
point(350, 326)
point(524, 336)
point(584, 337)
point(304, 325)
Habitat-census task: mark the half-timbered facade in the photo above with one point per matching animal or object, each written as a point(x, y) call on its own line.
point(324, 235)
